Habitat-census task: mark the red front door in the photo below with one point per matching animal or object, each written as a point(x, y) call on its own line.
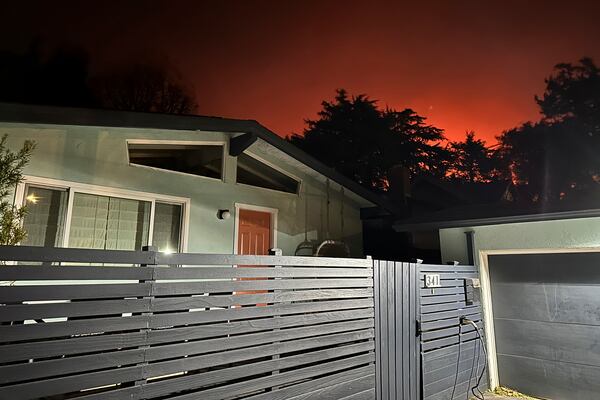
point(254, 238)
point(254, 232)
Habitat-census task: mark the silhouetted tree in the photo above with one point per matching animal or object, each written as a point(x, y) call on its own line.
point(557, 158)
point(144, 87)
point(472, 160)
point(363, 142)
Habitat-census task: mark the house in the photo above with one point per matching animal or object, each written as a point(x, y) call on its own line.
point(540, 289)
point(122, 180)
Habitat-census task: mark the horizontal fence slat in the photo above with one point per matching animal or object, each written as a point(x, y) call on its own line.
point(70, 292)
point(229, 259)
point(427, 268)
point(72, 383)
point(299, 389)
point(233, 342)
point(429, 300)
point(180, 288)
point(72, 272)
point(196, 381)
point(227, 357)
point(445, 323)
point(12, 333)
point(215, 300)
point(438, 343)
point(259, 272)
point(62, 366)
point(20, 312)
point(237, 389)
point(65, 347)
point(50, 254)
point(189, 318)
point(233, 328)
point(450, 314)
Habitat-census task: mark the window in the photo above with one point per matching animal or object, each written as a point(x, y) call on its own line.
point(202, 160)
point(45, 218)
point(99, 221)
point(251, 171)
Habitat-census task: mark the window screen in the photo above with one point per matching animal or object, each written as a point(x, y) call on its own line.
point(44, 221)
point(202, 160)
point(251, 171)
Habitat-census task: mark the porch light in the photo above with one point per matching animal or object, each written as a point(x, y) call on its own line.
point(224, 214)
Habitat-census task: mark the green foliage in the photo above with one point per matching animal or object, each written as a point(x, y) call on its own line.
point(362, 141)
point(11, 173)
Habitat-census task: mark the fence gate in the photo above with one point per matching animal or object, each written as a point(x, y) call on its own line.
point(397, 343)
point(417, 332)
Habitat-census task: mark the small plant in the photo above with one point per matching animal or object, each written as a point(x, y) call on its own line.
point(11, 174)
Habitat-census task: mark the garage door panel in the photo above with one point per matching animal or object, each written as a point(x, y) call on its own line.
point(570, 303)
point(546, 310)
point(550, 379)
point(564, 268)
point(551, 341)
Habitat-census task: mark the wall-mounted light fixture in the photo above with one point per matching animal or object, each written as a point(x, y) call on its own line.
point(224, 214)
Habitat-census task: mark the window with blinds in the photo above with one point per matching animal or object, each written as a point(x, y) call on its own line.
point(100, 222)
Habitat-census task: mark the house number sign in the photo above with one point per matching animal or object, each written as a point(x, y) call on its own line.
point(432, 281)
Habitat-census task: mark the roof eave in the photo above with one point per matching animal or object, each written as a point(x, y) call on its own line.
point(510, 219)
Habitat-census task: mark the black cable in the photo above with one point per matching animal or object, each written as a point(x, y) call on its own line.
point(475, 351)
point(485, 354)
point(457, 361)
point(480, 396)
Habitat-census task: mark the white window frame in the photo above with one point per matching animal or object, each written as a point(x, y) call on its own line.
point(276, 168)
point(223, 143)
point(75, 187)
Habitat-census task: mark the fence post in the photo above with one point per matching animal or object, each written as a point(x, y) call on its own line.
point(276, 252)
point(147, 314)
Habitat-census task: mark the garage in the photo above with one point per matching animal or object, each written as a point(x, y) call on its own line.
point(546, 321)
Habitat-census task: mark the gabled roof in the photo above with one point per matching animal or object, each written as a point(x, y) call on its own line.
point(51, 115)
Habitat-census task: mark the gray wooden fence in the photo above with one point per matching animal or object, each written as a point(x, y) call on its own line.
point(397, 344)
point(440, 310)
point(417, 332)
point(299, 328)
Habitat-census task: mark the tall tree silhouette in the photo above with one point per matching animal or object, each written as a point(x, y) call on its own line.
point(557, 157)
point(144, 87)
point(362, 141)
point(472, 160)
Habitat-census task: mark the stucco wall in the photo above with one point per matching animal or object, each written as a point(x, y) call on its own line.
point(584, 232)
point(98, 156)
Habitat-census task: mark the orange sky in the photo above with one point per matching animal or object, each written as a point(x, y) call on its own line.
point(466, 65)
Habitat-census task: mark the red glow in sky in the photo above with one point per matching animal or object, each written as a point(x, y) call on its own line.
point(466, 65)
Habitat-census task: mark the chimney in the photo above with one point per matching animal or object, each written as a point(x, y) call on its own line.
point(399, 180)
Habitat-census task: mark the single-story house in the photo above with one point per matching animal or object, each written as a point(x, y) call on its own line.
point(540, 290)
point(122, 180)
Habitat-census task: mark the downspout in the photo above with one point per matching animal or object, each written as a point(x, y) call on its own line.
point(470, 236)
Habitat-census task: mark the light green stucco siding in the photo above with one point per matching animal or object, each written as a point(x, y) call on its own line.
point(98, 156)
point(559, 234)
